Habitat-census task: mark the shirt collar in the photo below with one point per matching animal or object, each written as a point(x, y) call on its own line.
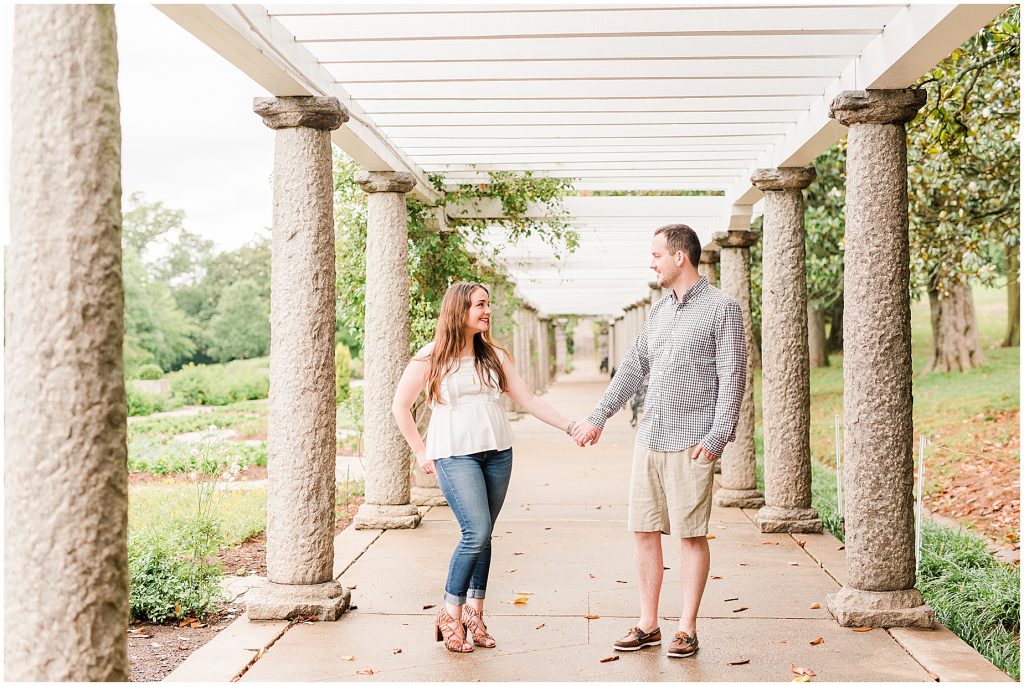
point(695, 290)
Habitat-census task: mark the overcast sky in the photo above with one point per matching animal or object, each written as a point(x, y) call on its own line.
point(190, 137)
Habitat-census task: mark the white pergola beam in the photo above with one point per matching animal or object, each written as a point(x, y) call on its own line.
point(629, 105)
point(605, 206)
point(267, 52)
point(919, 37)
point(457, 118)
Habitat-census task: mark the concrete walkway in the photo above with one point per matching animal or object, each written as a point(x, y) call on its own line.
point(561, 542)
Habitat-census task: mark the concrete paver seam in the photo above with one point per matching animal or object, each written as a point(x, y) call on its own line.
point(359, 554)
point(820, 563)
point(260, 653)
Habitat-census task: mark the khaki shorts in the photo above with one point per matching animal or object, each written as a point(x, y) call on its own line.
point(670, 493)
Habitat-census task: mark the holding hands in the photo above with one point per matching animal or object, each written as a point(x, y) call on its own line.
point(584, 433)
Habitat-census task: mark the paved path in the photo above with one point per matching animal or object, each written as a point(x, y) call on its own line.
point(562, 539)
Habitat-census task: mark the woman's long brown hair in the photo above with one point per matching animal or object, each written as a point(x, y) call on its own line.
point(450, 339)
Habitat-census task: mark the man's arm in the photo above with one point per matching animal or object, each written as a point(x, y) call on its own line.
point(731, 368)
point(631, 373)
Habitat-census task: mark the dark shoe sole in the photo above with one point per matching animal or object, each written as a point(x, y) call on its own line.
point(629, 650)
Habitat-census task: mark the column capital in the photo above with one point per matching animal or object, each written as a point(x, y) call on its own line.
point(736, 238)
point(877, 106)
point(310, 111)
point(385, 181)
point(711, 253)
point(783, 178)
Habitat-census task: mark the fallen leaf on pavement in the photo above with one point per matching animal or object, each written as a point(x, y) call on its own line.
point(842, 547)
point(547, 528)
point(522, 600)
point(348, 658)
point(509, 571)
point(744, 564)
point(740, 609)
point(365, 672)
point(793, 564)
point(716, 577)
point(740, 662)
point(427, 607)
point(396, 651)
point(613, 658)
point(591, 575)
point(711, 537)
point(815, 606)
point(620, 581)
point(800, 543)
point(769, 542)
point(597, 507)
point(541, 626)
point(862, 629)
point(517, 553)
point(592, 616)
point(818, 641)
point(666, 568)
point(803, 671)
point(523, 593)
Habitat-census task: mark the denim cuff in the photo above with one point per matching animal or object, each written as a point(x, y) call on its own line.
point(478, 593)
point(454, 599)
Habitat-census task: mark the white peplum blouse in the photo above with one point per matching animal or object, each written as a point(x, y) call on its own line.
point(469, 420)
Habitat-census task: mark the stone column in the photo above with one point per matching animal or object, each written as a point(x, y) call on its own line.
point(611, 345)
point(739, 461)
point(877, 376)
point(65, 473)
point(561, 348)
point(709, 257)
point(385, 352)
point(545, 350)
point(603, 343)
point(538, 343)
point(656, 292)
point(786, 396)
point(301, 421)
point(621, 344)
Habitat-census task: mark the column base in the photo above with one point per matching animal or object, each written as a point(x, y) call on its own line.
point(285, 601)
point(386, 517)
point(739, 497)
point(853, 607)
point(421, 495)
point(788, 520)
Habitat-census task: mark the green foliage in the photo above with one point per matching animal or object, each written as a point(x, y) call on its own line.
point(220, 384)
point(164, 583)
point(150, 372)
point(462, 250)
point(350, 410)
point(157, 234)
point(169, 456)
point(964, 162)
point(240, 329)
point(142, 403)
point(342, 371)
point(825, 228)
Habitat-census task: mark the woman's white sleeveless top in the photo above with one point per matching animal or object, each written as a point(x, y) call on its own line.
point(469, 420)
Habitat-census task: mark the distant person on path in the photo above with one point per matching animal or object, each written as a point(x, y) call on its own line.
point(694, 350)
point(469, 444)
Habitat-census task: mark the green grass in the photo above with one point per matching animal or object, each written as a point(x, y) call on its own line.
point(242, 513)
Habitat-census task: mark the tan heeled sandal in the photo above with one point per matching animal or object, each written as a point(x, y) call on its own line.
point(475, 627)
point(446, 628)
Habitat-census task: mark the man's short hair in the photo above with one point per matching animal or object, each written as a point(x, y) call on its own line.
point(682, 237)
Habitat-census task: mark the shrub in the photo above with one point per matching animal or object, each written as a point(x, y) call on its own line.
point(168, 456)
point(219, 384)
point(170, 572)
point(141, 403)
point(342, 371)
point(150, 372)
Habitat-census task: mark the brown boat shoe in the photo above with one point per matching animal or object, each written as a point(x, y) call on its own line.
point(636, 638)
point(684, 645)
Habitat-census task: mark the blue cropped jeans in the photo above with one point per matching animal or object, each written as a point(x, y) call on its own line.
point(475, 487)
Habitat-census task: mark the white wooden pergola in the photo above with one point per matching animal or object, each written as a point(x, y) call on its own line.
point(618, 97)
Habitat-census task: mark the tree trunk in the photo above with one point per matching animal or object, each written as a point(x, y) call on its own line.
point(955, 344)
point(816, 343)
point(835, 334)
point(1012, 338)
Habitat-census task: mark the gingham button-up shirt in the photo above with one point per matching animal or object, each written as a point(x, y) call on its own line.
point(695, 352)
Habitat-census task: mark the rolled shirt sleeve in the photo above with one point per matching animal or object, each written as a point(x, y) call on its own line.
point(731, 366)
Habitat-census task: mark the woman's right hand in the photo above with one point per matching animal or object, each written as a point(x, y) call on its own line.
point(426, 466)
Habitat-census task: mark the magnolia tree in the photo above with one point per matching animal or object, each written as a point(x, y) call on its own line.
point(964, 167)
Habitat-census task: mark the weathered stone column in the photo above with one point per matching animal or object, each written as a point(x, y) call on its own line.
point(538, 343)
point(739, 461)
point(786, 394)
point(878, 472)
point(561, 348)
point(545, 350)
point(301, 421)
point(386, 352)
point(603, 343)
point(65, 472)
point(709, 257)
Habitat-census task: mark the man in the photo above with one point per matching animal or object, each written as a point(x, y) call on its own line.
point(694, 350)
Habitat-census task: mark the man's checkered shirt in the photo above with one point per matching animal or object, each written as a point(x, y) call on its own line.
point(695, 352)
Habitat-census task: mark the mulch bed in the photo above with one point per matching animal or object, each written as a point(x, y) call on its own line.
point(155, 650)
point(983, 490)
point(250, 473)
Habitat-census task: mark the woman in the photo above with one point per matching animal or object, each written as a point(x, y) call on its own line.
point(469, 445)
